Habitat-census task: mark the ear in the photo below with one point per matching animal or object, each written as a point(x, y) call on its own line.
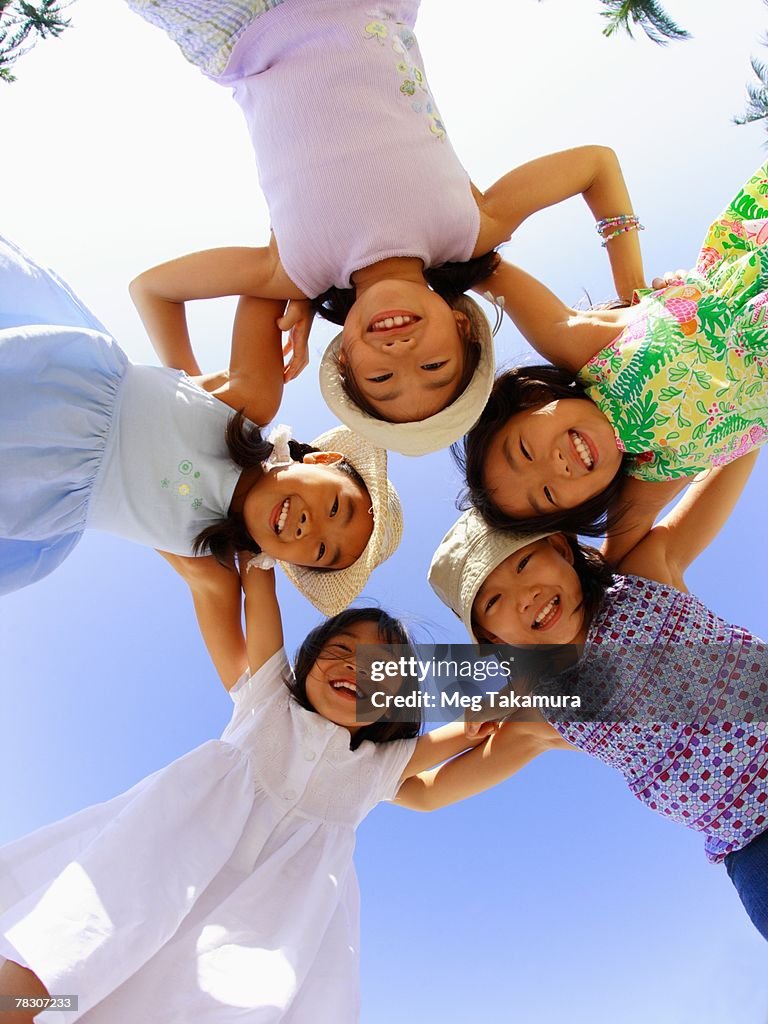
point(322, 458)
point(462, 322)
point(562, 546)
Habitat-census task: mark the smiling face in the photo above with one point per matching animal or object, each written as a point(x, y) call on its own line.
point(533, 597)
point(331, 683)
point(553, 457)
point(309, 513)
point(405, 349)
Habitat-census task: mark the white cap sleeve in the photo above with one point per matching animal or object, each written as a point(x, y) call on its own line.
point(392, 758)
point(269, 679)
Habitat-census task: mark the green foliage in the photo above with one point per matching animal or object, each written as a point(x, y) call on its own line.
point(745, 205)
point(730, 425)
point(648, 15)
point(661, 345)
point(22, 24)
point(757, 95)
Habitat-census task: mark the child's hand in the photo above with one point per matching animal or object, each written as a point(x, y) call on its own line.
point(297, 322)
point(480, 730)
point(671, 277)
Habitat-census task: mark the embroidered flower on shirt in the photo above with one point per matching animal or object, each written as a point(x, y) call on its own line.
point(185, 467)
point(377, 30)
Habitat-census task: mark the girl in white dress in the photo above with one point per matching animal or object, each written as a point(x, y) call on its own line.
point(222, 888)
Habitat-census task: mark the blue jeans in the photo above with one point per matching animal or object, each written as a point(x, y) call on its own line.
point(748, 870)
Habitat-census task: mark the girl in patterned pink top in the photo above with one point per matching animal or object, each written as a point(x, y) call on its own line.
point(672, 696)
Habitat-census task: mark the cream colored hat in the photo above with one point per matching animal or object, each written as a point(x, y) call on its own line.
point(420, 436)
point(467, 555)
point(332, 591)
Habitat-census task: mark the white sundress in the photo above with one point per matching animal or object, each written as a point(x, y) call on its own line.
point(219, 889)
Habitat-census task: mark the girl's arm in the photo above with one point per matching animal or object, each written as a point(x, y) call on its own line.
point(560, 334)
point(500, 755)
point(592, 171)
point(263, 623)
point(218, 606)
point(643, 501)
point(160, 294)
point(691, 526)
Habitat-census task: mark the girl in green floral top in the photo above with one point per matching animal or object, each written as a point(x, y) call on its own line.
point(672, 385)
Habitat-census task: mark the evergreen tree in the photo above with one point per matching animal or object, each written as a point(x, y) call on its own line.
point(757, 106)
point(22, 24)
point(648, 15)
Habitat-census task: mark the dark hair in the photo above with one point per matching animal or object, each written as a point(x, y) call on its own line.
point(390, 630)
point(527, 387)
point(248, 450)
point(450, 281)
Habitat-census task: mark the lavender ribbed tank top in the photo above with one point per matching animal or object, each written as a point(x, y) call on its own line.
point(352, 153)
point(681, 698)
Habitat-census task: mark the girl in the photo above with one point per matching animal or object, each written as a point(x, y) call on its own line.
point(677, 699)
point(222, 887)
point(90, 440)
point(374, 217)
point(658, 391)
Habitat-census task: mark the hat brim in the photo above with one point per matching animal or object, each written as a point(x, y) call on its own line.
point(419, 437)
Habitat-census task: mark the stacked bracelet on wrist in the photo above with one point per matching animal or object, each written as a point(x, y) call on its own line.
point(617, 226)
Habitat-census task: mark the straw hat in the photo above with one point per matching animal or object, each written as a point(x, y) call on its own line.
point(466, 557)
point(332, 591)
point(420, 436)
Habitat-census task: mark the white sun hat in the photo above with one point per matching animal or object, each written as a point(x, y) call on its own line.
point(466, 557)
point(331, 591)
point(436, 432)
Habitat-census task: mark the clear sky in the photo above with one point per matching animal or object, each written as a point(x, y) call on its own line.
point(556, 896)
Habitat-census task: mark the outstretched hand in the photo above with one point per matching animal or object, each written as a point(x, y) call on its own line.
point(297, 323)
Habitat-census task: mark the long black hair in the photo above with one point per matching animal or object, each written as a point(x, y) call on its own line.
point(527, 387)
point(390, 630)
point(248, 450)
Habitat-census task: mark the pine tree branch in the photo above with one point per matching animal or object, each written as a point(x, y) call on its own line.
point(648, 15)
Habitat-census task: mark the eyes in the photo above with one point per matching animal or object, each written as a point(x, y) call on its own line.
point(334, 509)
point(496, 597)
point(527, 455)
point(429, 367)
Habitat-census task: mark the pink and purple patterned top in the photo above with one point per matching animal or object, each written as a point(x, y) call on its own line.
point(681, 696)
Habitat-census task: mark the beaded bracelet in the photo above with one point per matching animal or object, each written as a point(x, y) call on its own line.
point(620, 224)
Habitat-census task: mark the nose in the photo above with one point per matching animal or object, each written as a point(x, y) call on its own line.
point(395, 344)
point(304, 525)
point(527, 596)
point(560, 463)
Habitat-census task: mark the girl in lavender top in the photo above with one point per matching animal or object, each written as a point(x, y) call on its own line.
point(675, 697)
point(374, 218)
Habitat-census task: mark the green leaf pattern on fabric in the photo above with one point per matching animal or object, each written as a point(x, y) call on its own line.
point(685, 385)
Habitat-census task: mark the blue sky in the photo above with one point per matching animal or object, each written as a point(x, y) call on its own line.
point(557, 895)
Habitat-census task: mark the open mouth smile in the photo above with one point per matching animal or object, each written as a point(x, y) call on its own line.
point(346, 689)
point(279, 516)
point(392, 320)
point(549, 614)
point(583, 450)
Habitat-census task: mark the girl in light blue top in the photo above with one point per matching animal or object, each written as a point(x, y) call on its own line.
point(87, 439)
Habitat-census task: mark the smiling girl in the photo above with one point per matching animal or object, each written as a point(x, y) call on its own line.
point(374, 217)
point(222, 887)
point(658, 391)
point(675, 698)
point(90, 440)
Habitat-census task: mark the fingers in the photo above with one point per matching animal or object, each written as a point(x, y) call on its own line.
point(296, 351)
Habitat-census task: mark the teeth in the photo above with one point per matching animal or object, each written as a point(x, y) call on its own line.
point(583, 449)
point(341, 684)
point(283, 516)
point(392, 321)
point(547, 611)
